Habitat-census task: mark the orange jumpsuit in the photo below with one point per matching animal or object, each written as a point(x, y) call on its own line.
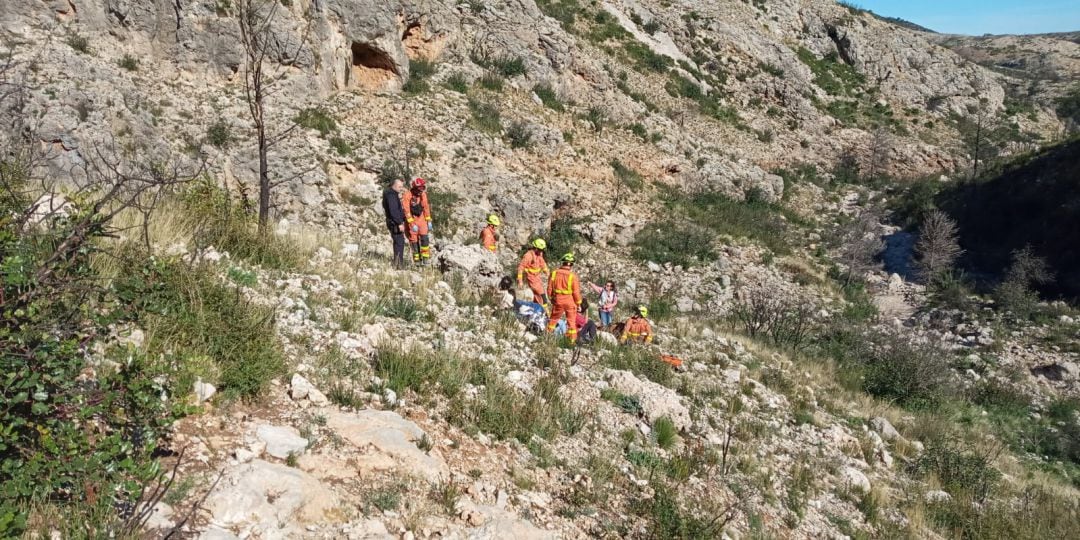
point(534, 266)
point(565, 290)
point(417, 214)
point(489, 239)
point(637, 329)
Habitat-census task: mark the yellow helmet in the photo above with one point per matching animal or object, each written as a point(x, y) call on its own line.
point(494, 220)
point(644, 311)
point(539, 243)
point(569, 257)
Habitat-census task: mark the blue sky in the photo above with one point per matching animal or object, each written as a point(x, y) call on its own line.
point(977, 17)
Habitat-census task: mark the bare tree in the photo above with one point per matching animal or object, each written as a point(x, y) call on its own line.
point(859, 244)
point(938, 247)
point(877, 158)
point(264, 56)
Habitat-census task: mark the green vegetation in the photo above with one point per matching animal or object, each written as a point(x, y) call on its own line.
point(563, 235)
point(665, 432)
point(832, 75)
point(443, 204)
point(219, 134)
point(419, 73)
point(129, 63)
point(341, 146)
point(708, 104)
point(316, 118)
point(505, 66)
point(79, 43)
point(1068, 107)
point(230, 226)
point(491, 81)
point(686, 238)
point(641, 362)
point(626, 176)
point(519, 135)
point(457, 82)
point(564, 11)
point(485, 116)
point(548, 97)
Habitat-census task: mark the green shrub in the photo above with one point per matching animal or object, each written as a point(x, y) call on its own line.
point(597, 117)
point(457, 82)
point(1068, 106)
point(400, 307)
point(641, 362)
point(666, 520)
point(665, 432)
point(485, 116)
point(548, 97)
point(651, 27)
point(491, 81)
point(83, 446)
point(915, 375)
point(831, 74)
point(227, 225)
point(961, 470)
point(129, 63)
point(563, 235)
point(679, 243)
point(443, 203)
point(219, 134)
point(191, 314)
point(419, 73)
point(639, 130)
point(626, 176)
point(564, 11)
point(316, 118)
point(519, 134)
point(645, 58)
point(341, 146)
point(79, 43)
point(628, 404)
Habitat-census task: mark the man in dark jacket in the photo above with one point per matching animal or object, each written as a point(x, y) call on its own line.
point(395, 220)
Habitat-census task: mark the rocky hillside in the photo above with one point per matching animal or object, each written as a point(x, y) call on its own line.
point(177, 371)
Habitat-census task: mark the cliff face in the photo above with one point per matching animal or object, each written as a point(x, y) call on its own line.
point(719, 93)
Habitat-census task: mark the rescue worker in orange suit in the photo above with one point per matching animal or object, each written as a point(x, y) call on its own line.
point(535, 267)
point(564, 288)
point(418, 220)
point(488, 238)
point(638, 327)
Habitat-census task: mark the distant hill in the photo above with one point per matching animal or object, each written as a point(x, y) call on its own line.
point(904, 23)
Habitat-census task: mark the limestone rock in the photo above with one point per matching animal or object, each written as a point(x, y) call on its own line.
point(884, 428)
point(204, 390)
point(300, 388)
point(281, 440)
point(478, 265)
point(267, 500)
point(656, 400)
point(855, 479)
point(389, 443)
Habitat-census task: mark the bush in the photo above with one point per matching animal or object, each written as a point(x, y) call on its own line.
point(961, 470)
point(419, 73)
point(1015, 293)
point(82, 445)
point(491, 81)
point(679, 243)
point(188, 312)
point(400, 307)
point(665, 520)
point(79, 43)
point(228, 225)
point(626, 176)
point(832, 75)
point(341, 146)
point(219, 134)
point(563, 235)
point(665, 432)
point(784, 320)
point(457, 83)
point(485, 116)
point(129, 63)
point(548, 97)
point(519, 134)
point(316, 118)
point(564, 11)
point(641, 362)
point(597, 117)
point(915, 375)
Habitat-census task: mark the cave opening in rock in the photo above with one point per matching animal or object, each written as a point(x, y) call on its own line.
point(371, 67)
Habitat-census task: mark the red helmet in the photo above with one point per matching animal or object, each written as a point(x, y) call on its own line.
point(419, 184)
